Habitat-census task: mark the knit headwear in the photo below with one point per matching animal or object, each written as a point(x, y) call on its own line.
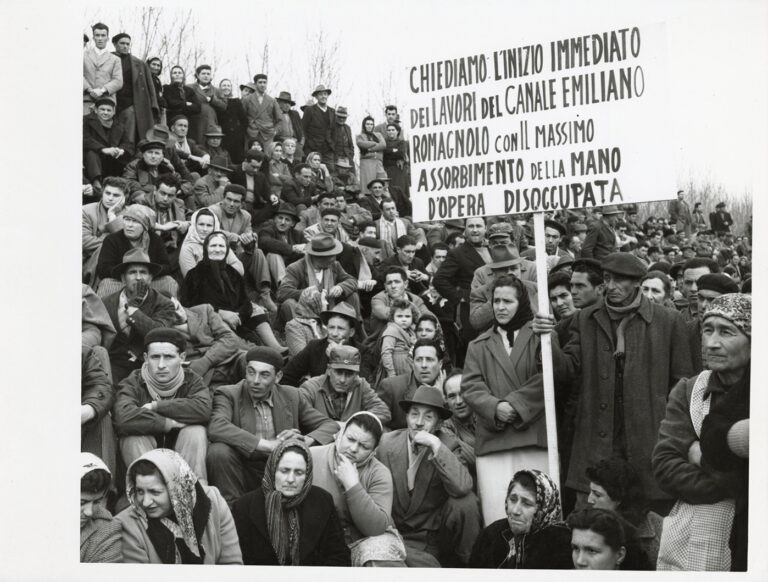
point(736, 308)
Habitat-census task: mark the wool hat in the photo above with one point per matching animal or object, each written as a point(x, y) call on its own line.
point(735, 307)
point(344, 358)
point(370, 242)
point(285, 96)
point(342, 309)
point(555, 225)
point(267, 355)
point(429, 396)
point(717, 282)
point(624, 264)
point(135, 257)
point(500, 229)
point(324, 245)
point(236, 188)
point(321, 89)
point(169, 335)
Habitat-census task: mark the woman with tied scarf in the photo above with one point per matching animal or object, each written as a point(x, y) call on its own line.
point(321, 177)
point(179, 98)
point(279, 173)
point(532, 535)
point(306, 324)
point(362, 490)
point(290, 521)
point(203, 223)
point(173, 518)
point(100, 533)
point(155, 68)
point(502, 384)
point(371, 145)
point(214, 280)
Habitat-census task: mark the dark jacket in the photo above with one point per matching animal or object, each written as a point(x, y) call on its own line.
point(344, 145)
point(271, 241)
point(310, 362)
point(454, 277)
point(720, 221)
point(199, 287)
point(417, 264)
point(176, 99)
point(394, 389)
point(233, 123)
point(600, 242)
point(319, 129)
point(97, 137)
point(321, 539)
point(548, 549)
point(117, 244)
point(260, 186)
point(295, 194)
point(142, 95)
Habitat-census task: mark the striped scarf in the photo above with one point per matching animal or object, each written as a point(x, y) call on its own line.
point(161, 390)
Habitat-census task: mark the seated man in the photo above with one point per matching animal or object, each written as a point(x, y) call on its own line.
point(162, 405)
point(171, 222)
point(391, 227)
point(395, 287)
point(340, 323)
point(251, 417)
point(100, 534)
point(340, 392)
point(100, 219)
point(462, 423)
point(107, 148)
point(160, 132)
point(319, 267)
point(434, 508)
point(301, 191)
point(371, 250)
point(258, 199)
point(143, 173)
point(194, 156)
point(328, 224)
point(281, 243)
point(311, 215)
point(209, 189)
point(97, 397)
point(405, 258)
point(352, 214)
point(427, 360)
point(138, 229)
point(134, 310)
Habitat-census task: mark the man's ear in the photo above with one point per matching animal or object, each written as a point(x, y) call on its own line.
point(279, 376)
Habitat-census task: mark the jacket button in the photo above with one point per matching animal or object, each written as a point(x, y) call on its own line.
point(604, 375)
point(606, 347)
point(602, 434)
point(603, 406)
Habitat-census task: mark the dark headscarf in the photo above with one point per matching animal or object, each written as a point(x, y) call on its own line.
point(283, 512)
point(218, 269)
point(524, 313)
point(371, 135)
point(180, 86)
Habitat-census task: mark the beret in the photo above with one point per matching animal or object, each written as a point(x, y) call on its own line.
point(236, 188)
point(118, 36)
point(165, 335)
point(556, 225)
point(625, 264)
point(717, 282)
point(369, 241)
point(175, 118)
point(334, 211)
point(267, 355)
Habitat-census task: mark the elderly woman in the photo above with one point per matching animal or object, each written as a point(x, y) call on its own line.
point(173, 518)
point(290, 521)
point(600, 541)
point(502, 384)
point(321, 177)
point(532, 536)
point(697, 530)
point(100, 534)
point(202, 223)
point(180, 99)
point(371, 145)
point(615, 485)
point(362, 491)
point(306, 324)
point(279, 171)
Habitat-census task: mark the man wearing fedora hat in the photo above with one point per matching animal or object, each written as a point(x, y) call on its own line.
point(433, 508)
point(107, 147)
point(290, 123)
point(262, 112)
point(281, 244)
point(601, 238)
point(209, 189)
point(319, 125)
point(134, 310)
point(341, 392)
point(212, 146)
point(343, 145)
point(341, 323)
point(319, 267)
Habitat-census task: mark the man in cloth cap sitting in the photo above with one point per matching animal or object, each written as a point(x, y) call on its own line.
point(252, 417)
point(281, 244)
point(210, 189)
point(627, 353)
point(434, 508)
point(340, 392)
point(162, 405)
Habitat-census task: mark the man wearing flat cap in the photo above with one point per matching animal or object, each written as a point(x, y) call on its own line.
point(319, 267)
point(709, 286)
point(433, 508)
point(143, 173)
point(263, 113)
point(134, 309)
point(329, 221)
point(320, 127)
point(340, 392)
point(601, 235)
point(252, 417)
point(209, 189)
point(344, 147)
point(627, 353)
point(289, 125)
point(107, 147)
point(188, 149)
point(162, 405)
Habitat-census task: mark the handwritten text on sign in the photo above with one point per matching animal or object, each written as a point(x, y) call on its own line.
point(571, 123)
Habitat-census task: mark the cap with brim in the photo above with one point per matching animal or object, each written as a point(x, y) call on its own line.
point(504, 256)
point(168, 335)
point(342, 309)
point(150, 144)
point(556, 225)
point(564, 261)
point(158, 132)
point(370, 242)
point(321, 89)
point(220, 163)
point(250, 86)
point(427, 396)
point(286, 97)
point(105, 100)
point(324, 245)
point(344, 358)
point(500, 229)
point(135, 257)
point(608, 210)
point(454, 223)
point(341, 111)
point(623, 264)
point(377, 180)
point(343, 163)
point(287, 210)
point(267, 355)
point(214, 131)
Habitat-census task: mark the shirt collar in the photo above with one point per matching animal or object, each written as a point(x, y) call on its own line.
point(268, 400)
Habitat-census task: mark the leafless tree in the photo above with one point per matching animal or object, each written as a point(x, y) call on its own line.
point(324, 64)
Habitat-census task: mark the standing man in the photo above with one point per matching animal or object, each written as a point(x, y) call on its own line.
point(720, 220)
point(680, 214)
point(390, 114)
point(601, 238)
point(289, 125)
point(137, 106)
point(210, 103)
point(344, 147)
point(319, 124)
point(263, 113)
point(102, 72)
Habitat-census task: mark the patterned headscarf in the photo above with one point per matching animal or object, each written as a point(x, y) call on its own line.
point(548, 510)
point(283, 512)
point(184, 492)
point(736, 308)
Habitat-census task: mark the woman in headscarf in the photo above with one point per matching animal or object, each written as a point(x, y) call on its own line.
point(362, 490)
point(320, 174)
point(290, 521)
point(155, 68)
point(202, 223)
point(502, 384)
point(215, 281)
point(306, 324)
point(371, 145)
point(179, 98)
point(173, 518)
point(396, 158)
point(532, 536)
point(279, 173)
point(233, 122)
point(100, 533)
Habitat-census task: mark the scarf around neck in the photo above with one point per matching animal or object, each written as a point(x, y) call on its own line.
point(161, 390)
point(624, 314)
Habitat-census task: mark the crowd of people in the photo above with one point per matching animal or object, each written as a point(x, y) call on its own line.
point(281, 367)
